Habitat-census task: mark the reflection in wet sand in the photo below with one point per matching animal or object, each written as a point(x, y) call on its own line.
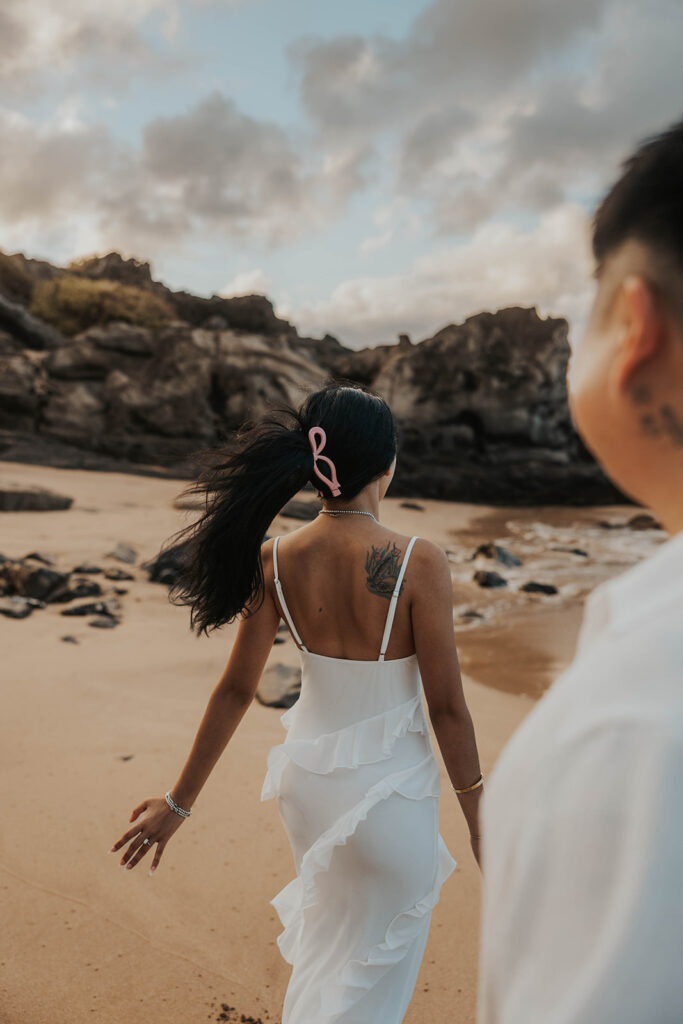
point(522, 654)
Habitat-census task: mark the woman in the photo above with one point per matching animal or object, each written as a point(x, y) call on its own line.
point(356, 781)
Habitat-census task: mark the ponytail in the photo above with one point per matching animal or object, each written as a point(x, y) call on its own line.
point(221, 570)
point(221, 573)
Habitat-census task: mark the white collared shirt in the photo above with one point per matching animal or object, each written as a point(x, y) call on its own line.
point(582, 824)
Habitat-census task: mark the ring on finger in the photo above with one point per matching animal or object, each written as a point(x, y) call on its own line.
point(147, 841)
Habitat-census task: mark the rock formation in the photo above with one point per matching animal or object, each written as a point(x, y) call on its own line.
point(481, 406)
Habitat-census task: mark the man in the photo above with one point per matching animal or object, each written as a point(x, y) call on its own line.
point(582, 818)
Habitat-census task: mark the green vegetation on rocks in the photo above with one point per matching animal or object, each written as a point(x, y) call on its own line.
point(72, 304)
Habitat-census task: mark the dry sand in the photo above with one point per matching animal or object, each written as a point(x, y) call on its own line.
point(88, 730)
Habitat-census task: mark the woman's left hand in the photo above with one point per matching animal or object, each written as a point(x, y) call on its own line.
point(157, 824)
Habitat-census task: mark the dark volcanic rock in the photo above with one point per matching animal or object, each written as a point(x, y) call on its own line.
point(279, 686)
point(644, 521)
point(109, 607)
point(572, 551)
point(104, 622)
point(113, 267)
point(500, 554)
point(538, 588)
point(17, 607)
point(119, 336)
point(470, 613)
point(166, 567)
point(124, 553)
point(32, 499)
point(37, 557)
point(20, 390)
point(483, 413)
point(118, 574)
point(32, 332)
point(489, 579)
point(74, 412)
point(252, 314)
point(81, 588)
point(79, 360)
point(28, 581)
point(481, 407)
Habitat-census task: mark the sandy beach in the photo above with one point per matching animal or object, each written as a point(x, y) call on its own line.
point(89, 729)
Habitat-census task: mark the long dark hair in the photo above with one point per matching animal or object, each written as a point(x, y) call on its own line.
point(221, 573)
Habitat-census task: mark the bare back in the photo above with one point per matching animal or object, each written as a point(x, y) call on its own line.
point(337, 580)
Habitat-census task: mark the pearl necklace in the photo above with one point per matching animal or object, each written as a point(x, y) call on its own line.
point(346, 512)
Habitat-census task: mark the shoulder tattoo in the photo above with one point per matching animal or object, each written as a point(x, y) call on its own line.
point(382, 568)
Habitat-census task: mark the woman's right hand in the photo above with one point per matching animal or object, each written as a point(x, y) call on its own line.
point(158, 825)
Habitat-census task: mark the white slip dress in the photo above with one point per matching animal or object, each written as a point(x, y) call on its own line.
point(357, 787)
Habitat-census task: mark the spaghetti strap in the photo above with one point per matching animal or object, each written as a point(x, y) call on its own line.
point(283, 603)
point(394, 599)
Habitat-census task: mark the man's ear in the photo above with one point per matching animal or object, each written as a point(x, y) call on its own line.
point(640, 328)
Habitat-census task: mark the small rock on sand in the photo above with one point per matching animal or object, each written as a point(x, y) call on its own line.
point(32, 499)
point(642, 521)
point(538, 588)
point(82, 588)
point(489, 579)
point(498, 552)
point(124, 553)
point(108, 607)
point(17, 607)
point(36, 556)
point(118, 574)
point(33, 581)
point(166, 566)
point(279, 687)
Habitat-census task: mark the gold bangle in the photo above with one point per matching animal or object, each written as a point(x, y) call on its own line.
point(479, 782)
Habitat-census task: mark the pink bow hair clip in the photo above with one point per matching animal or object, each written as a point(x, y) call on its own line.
point(318, 440)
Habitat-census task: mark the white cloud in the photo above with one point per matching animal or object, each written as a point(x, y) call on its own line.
point(248, 282)
point(502, 265)
point(482, 117)
point(104, 42)
point(497, 106)
point(210, 171)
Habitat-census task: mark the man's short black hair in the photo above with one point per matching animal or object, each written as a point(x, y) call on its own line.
point(646, 203)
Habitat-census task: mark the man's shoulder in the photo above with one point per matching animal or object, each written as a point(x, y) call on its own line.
point(587, 719)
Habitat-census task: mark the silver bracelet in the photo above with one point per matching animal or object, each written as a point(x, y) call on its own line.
point(176, 807)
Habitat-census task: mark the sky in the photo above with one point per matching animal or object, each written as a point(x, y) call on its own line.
point(374, 166)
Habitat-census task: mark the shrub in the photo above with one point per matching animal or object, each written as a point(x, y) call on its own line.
point(72, 304)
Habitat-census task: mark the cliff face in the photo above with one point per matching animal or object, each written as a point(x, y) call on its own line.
point(481, 406)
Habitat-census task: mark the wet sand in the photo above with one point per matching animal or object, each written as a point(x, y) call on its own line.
point(89, 729)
